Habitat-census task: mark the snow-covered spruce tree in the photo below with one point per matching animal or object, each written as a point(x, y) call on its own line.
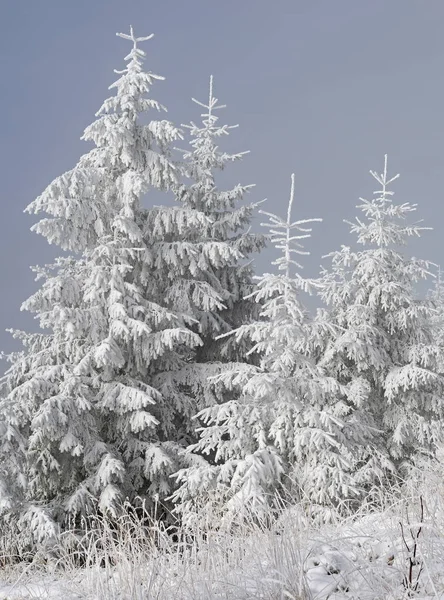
point(281, 433)
point(436, 296)
point(225, 238)
point(202, 253)
point(385, 356)
point(78, 406)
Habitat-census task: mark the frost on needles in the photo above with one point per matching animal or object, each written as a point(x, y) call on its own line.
point(385, 354)
point(340, 404)
point(163, 372)
point(279, 433)
point(80, 428)
point(99, 407)
point(216, 284)
point(436, 297)
point(203, 248)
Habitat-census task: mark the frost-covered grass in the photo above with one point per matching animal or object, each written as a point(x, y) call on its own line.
point(391, 553)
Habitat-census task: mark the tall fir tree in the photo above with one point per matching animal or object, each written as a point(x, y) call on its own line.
point(202, 247)
point(385, 356)
point(78, 406)
point(280, 432)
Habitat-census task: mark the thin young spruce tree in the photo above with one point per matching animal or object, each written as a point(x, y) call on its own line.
point(203, 250)
point(227, 234)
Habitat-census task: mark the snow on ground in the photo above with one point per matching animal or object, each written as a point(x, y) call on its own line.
point(42, 587)
point(368, 558)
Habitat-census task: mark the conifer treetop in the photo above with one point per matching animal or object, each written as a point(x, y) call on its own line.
point(209, 118)
point(383, 227)
point(136, 56)
point(210, 127)
point(129, 158)
point(384, 194)
point(282, 238)
point(133, 38)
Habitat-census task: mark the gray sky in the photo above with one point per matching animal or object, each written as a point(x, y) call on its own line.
point(319, 87)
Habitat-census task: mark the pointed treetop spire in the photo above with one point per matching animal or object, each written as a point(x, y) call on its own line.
point(290, 202)
point(384, 181)
point(281, 235)
point(133, 38)
point(384, 224)
point(438, 284)
point(212, 103)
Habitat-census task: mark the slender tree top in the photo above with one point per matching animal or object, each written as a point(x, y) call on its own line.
point(209, 118)
point(384, 194)
point(133, 38)
point(136, 56)
point(282, 238)
point(204, 155)
point(385, 221)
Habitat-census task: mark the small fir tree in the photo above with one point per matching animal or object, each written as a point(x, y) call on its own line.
point(385, 356)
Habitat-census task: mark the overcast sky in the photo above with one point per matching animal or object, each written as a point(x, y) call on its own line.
point(320, 87)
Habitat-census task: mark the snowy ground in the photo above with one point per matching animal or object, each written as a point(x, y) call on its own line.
point(378, 556)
